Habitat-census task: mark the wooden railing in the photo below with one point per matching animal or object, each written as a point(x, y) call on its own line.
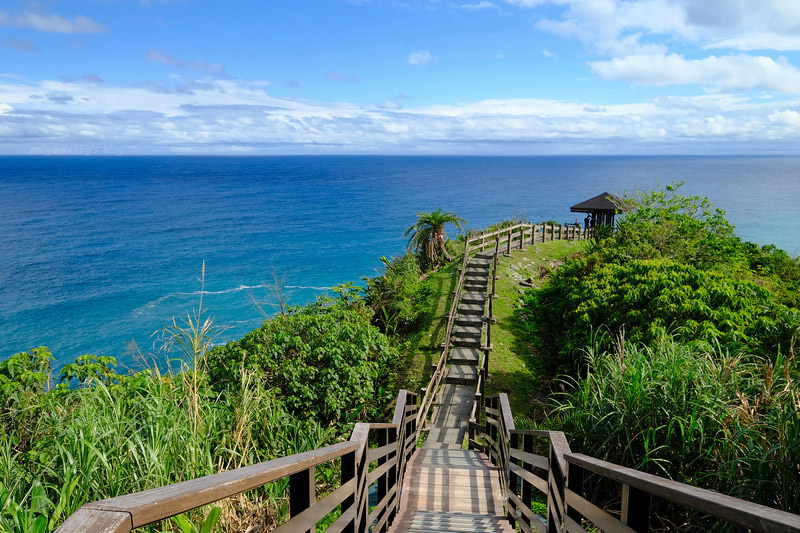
point(361, 467)
point(560, 478)
point(440, 368)
point(519, 234)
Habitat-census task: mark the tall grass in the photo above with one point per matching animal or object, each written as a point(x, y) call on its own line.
point(692, 412)
point(64, 447)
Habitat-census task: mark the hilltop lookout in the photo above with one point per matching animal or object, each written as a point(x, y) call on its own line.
point(601, 209)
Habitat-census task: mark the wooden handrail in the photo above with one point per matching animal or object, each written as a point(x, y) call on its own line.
point(733, 510)
point(395, 440)
point(479, 241)
point(561, 474)
point(436, 377)
point(157, 504)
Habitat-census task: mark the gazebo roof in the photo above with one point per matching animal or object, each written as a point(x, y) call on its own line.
point(600, 203)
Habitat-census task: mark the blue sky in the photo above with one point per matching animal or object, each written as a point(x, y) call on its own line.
point(400, 77)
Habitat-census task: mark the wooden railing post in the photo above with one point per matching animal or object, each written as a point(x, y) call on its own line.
point(508, 250)
point(394, 472)
point(301, 492)
point(575, 475)
point(383, 480)
point(635, 509)
point(348, 473)
point(513, 482)
point(527, 493)
point(556, 480)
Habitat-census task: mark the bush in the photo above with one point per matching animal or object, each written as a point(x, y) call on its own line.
point(399, 296)
point(665, 224)
point(326, 360)
point(644, 299)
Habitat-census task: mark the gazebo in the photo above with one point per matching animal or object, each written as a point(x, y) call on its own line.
point(600, 209)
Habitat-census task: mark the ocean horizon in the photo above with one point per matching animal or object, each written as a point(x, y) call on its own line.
point(98, 253)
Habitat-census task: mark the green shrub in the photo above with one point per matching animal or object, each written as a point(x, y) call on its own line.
point(665, 224)
point(399, 296)
point(147, 430)
point(326, 360)
point(644, 299)
point(694, 413)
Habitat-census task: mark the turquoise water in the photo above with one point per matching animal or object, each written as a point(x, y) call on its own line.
point(98, 252)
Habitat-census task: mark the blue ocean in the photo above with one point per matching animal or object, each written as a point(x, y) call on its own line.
point(97, 254)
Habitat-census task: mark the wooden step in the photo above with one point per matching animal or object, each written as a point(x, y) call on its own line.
point(469, 320)
point(478, 263)
point(473, 297)
point(470, 309)
point(466, 342)
point(463, 355)
point(467, 330)
point(462, 374)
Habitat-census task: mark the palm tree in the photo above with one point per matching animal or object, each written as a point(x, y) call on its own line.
point(428, 237)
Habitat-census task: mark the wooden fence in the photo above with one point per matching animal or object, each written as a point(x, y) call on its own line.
point(518, 235)
point(362, 466)
point(509, 238)
point(559, 476)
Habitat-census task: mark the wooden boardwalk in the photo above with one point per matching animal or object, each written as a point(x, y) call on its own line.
point(451, 490)
point(455, 399)
point(446, 488)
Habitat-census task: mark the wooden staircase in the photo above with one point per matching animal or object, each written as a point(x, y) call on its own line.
point(453, 405)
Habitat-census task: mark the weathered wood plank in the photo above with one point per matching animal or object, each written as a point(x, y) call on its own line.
point(530, 477)
point(745, 514)
point(373, 454)
point(96, 520)
point(527, 513)
point(344, 521)
point(594, 514)
point(572, 526)
point(308, 519)
point(536, 460)
point(383, 505)
point(382, 469)
point(156, 504)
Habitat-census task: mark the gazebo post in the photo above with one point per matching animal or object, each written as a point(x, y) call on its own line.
point(600, 210)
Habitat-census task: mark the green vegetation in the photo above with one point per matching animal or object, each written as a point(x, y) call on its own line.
point(295, 384)
point(511, 370)
point(668, 346)
point(675, 345)
point(695, 413)
point(428, 237)
point(325, 361)
point(62, 447)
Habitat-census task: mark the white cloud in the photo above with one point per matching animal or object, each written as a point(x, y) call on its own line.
point(785, 118)
point(622, 27)
point(52, 23)
point(421, 58)
point(157, 56)
point(479, 6)
point(338, 76)
point(23, 45)
point(737, 71)
point(224, 116)
point(758, 41)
